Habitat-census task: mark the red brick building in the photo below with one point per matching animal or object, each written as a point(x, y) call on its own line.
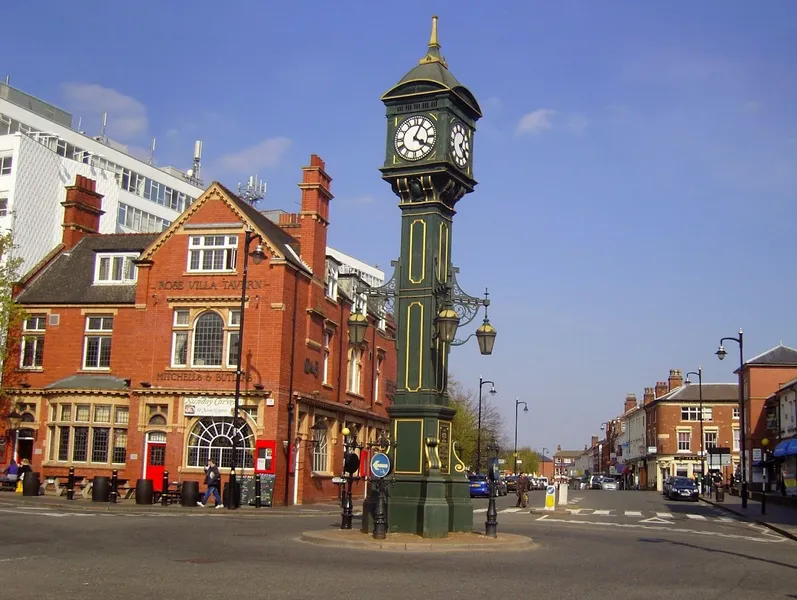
point(128, 358)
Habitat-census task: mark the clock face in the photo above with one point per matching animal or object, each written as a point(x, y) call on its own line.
point(460, 145)
point(415, 138)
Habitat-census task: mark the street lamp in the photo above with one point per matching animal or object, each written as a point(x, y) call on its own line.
point(764, 444)
point(493, 392)
point(351, 464)
point(491, 524)
point(518, 402)
point(699, 374)
point(721, 353)
point(258, 255)
point(542, 468)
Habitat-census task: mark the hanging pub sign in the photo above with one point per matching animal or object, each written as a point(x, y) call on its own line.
point(208, 406)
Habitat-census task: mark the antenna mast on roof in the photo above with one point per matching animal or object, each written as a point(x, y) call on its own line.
point(254, 191)
point(152, 152)
point(104, 127)
point(193, 173)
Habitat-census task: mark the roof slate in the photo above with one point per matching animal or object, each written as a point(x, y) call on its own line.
point(69, 278)
point(712, 392)
point(779, 356)
point(88, 382)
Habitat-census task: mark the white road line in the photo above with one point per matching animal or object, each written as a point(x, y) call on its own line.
point(511, 510)
point(602, 513)
point(633, 513)
point(479, 510)
point(658, 528)
point(696, 517)
point(664, 515)
point(725, 519)
point(575, 511)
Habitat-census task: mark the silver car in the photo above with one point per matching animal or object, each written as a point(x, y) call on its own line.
point(609, 484)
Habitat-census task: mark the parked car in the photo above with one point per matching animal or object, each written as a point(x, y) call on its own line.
point(511, 483)
point(595, 484)
point(609, 483)
point(665, 488)
point(683, 487)
point(479, 486)
point(502, 488)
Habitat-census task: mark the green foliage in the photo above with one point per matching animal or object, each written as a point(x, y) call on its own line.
point(464, 428)
point(529, 460)
point(11, 313)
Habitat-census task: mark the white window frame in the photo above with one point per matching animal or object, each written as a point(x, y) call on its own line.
point(333, 273)
point(320, 448)
point(735, 413)
point(6, 164)
point(126, 259)
point(33, 329)
point(710, 443)
point(708, 413)
point(688, 441)
point(3, 206)
point(737, 439)
point(327, 355)
point(104, 334)
point(691, 413)
point(197, 246)
point(361, 304)
point(184, 328)
point(378, 379)
point(354, 371)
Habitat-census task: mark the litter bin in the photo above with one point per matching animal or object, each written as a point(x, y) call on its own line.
point(189, 495)
point(236, 499)
point(101, 489)
point(719, 494)
point(144, 491)
point(31, 484)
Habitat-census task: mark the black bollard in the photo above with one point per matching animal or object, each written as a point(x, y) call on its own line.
point(70, 484)
point(165, 489)
point(491, 524)
point(380, 514)
point(114, 485)
point(258, 499)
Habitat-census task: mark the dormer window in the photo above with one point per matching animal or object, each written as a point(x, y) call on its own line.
point(361, 304)
point(115, 268)
point(212, 253)
point(333, 270)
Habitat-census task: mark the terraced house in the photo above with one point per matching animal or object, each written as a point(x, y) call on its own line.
point(128, 359)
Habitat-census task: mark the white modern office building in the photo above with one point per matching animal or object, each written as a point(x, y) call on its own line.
point(41, 153)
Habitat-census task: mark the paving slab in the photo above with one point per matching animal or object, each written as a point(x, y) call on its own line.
point(406, 542)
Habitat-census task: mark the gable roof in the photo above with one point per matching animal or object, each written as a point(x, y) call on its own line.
point(712, 392)
point(69, 278)
point(779, 356)
point(278, 241)
point(569, 453)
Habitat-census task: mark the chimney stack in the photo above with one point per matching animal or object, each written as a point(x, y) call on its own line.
point(595, 440)
point(314, 215)
point(630, 402)
point(676, 379)
point(82, 211)
point(661, 388)
point(559, 447)
point(649, 395)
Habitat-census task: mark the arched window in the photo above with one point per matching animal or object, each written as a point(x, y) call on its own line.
point(211, 437)
point(208, 340)
point(157, 420)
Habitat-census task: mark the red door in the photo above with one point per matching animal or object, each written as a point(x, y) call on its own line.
point(156, 461)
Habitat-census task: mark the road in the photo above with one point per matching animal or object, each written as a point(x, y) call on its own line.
point(603, 550)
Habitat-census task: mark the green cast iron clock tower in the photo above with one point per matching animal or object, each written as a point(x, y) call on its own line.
point(431, 121)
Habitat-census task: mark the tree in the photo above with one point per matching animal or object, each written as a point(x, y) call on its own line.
point(11, 313)
point(529, 460)
point(464, 429)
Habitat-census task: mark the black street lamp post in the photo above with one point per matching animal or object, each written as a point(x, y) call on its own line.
point(518, 402)
point(482, 383)
point(699, 374)
point(491, 524)
point(351, 464)
point(257, 257)
point(721, 353)
point(380, 511)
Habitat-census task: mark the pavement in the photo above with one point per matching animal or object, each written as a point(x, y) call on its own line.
point(599, 545)
point(782, 519)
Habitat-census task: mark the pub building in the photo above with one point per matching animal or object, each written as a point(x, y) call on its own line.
point(127, 357)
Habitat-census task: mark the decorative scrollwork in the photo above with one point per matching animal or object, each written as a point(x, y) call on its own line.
point(459, 466)
point(382, 300)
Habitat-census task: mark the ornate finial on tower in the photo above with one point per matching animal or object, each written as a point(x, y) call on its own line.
point(433, 53)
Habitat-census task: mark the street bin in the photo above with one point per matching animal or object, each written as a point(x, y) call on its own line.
point(31, 484)
point(189, 496)
point(144, 491)
point(101, 489)
point(719, 494)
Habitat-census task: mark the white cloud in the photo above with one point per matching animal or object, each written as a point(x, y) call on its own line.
point(127, 117)
point(536, 122)
point(267, 153)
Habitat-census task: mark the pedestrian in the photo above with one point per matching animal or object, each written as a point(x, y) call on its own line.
point(213, 481)
point(10, 472)
point(522, 489)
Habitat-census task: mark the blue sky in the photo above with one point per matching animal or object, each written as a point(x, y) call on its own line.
point(637, 161)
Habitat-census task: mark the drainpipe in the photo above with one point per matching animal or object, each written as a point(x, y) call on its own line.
point(291, 406)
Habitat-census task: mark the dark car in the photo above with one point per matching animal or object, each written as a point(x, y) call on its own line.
point(479, 486)
point(511, 483)
point(683, 487)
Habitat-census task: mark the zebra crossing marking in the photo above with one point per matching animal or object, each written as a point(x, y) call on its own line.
point(696, 517)
point(633, 513)
point(602, 513)
point(664, 515)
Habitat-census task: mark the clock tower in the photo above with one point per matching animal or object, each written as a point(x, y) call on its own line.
point(431, 121)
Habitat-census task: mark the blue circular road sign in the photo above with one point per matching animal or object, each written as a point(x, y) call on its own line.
point(380, 465)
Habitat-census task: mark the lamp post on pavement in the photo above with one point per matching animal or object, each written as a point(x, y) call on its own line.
point(491, 524)
point(699, 374)
point(518, 402)
point(542, 467)
point(493, 392)
point(764, 444)
point(721, 353)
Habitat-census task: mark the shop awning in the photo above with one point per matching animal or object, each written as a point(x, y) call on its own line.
point(786, 448)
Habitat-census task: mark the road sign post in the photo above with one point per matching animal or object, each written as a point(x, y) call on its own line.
point(380, 467)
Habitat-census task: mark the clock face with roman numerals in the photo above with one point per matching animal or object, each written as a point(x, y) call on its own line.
point(460, 145)
point(415, 138)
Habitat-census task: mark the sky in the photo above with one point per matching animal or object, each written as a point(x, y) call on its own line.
point(637, 162)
